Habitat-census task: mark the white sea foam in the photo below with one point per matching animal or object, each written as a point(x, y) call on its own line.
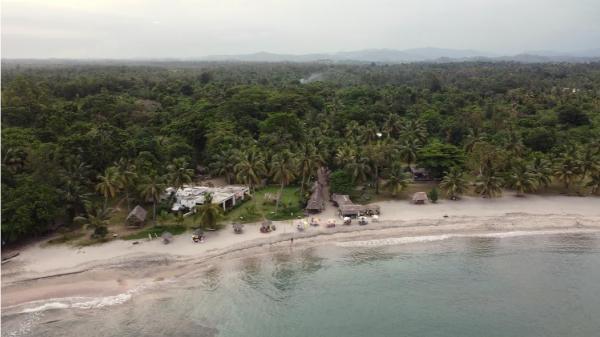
point(441, 237)
point(87, 302)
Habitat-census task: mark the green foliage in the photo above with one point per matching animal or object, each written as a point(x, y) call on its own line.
point(433, 195)
point(122, 133)
point(439, 157)
point(340, 182)
point(155, 231)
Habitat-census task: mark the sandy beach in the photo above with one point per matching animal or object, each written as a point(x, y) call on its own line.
point(43, 272)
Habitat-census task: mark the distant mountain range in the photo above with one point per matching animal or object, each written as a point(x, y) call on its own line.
point(413, 55)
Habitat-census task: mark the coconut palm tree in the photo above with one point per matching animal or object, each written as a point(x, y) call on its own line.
point(250, 167)
point(474, 136)
point(521, 179)
point(179, 173)
point(377, 154)
point(283, 171)
point(223, 164)
point(488, 184)
point(127, 176)
point(208, 213)
point(151, 188)
point(109, 184)
point(542, 170)
point(345, 154)
point(309, 161)
point(414, 130)
point(594, 183)
point(454, 183)
point(397, 180)
point(408, 151)
point(95, 216)
point(567, 169)
point(359, 168)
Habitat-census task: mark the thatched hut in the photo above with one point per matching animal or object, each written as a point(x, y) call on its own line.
point(351, 210)
point(340, 199)
point(419, 198)
point(137, 217)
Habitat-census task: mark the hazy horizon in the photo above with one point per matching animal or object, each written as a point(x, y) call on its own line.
point(189, 29)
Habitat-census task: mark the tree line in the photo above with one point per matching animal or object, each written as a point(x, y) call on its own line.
point(78, 138)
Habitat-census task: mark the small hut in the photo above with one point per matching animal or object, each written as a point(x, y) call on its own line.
point(137, 217)
point(340, 199)
point(351, 210)
point(420, 174)
point(419, 198)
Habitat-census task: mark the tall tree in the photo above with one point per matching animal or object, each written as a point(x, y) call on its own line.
point(179, 173)
point(151, 188)
point(109, 184)
point(454, 183)
point(283, 171)
point(250, 167)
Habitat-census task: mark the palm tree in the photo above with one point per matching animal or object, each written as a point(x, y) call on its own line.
point(594, 183)
point(223, 165)
point(414, 130)
point(151, 188)
point(568, 169)
point(542, 170)
point(522, 179)
point(488, 184)
point(359, 168)
point(178, 173)
point(345, 154)
point(309, 161)
point(127, 177)
point(474, 136)
point(378, 155)
point(208, 213)
point(109, 184)
point(397, 180)
point(96, 216)
point(250, 167)
point(454, 183)
point(408, 151)
point(283, 167)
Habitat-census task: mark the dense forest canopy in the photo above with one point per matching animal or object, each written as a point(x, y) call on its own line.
point(73, 134)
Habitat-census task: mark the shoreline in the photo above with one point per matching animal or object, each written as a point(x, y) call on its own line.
point(130, 269)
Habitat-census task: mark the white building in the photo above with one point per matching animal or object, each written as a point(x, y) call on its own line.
point(190, 196)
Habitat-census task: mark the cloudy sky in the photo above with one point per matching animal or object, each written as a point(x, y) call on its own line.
point(194, 28)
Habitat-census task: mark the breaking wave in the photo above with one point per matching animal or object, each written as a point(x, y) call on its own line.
point(441, 237)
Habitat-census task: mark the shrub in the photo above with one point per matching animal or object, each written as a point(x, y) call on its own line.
point(341, 182)
point(433, 195)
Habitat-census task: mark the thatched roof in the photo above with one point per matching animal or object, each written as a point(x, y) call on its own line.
point(351, 209)
point(340, 199)
point(420, 196)
point(137, 213)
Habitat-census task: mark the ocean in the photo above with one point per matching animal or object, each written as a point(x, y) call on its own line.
point(490, 285)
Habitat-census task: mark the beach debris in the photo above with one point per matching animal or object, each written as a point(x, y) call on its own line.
point(238, 228)
point(267, 226)
point(135, 243)
point(167, 237)
point(198, 235)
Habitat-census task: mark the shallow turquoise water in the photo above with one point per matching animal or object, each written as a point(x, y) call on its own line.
point(545, 285)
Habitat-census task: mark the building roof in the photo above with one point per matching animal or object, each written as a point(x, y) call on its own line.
point(138, 212)
point(341, 199)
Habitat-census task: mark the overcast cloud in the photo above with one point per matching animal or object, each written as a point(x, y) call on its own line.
point(188, 29)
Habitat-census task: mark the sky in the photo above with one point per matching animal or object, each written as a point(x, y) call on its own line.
point(196, 28)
